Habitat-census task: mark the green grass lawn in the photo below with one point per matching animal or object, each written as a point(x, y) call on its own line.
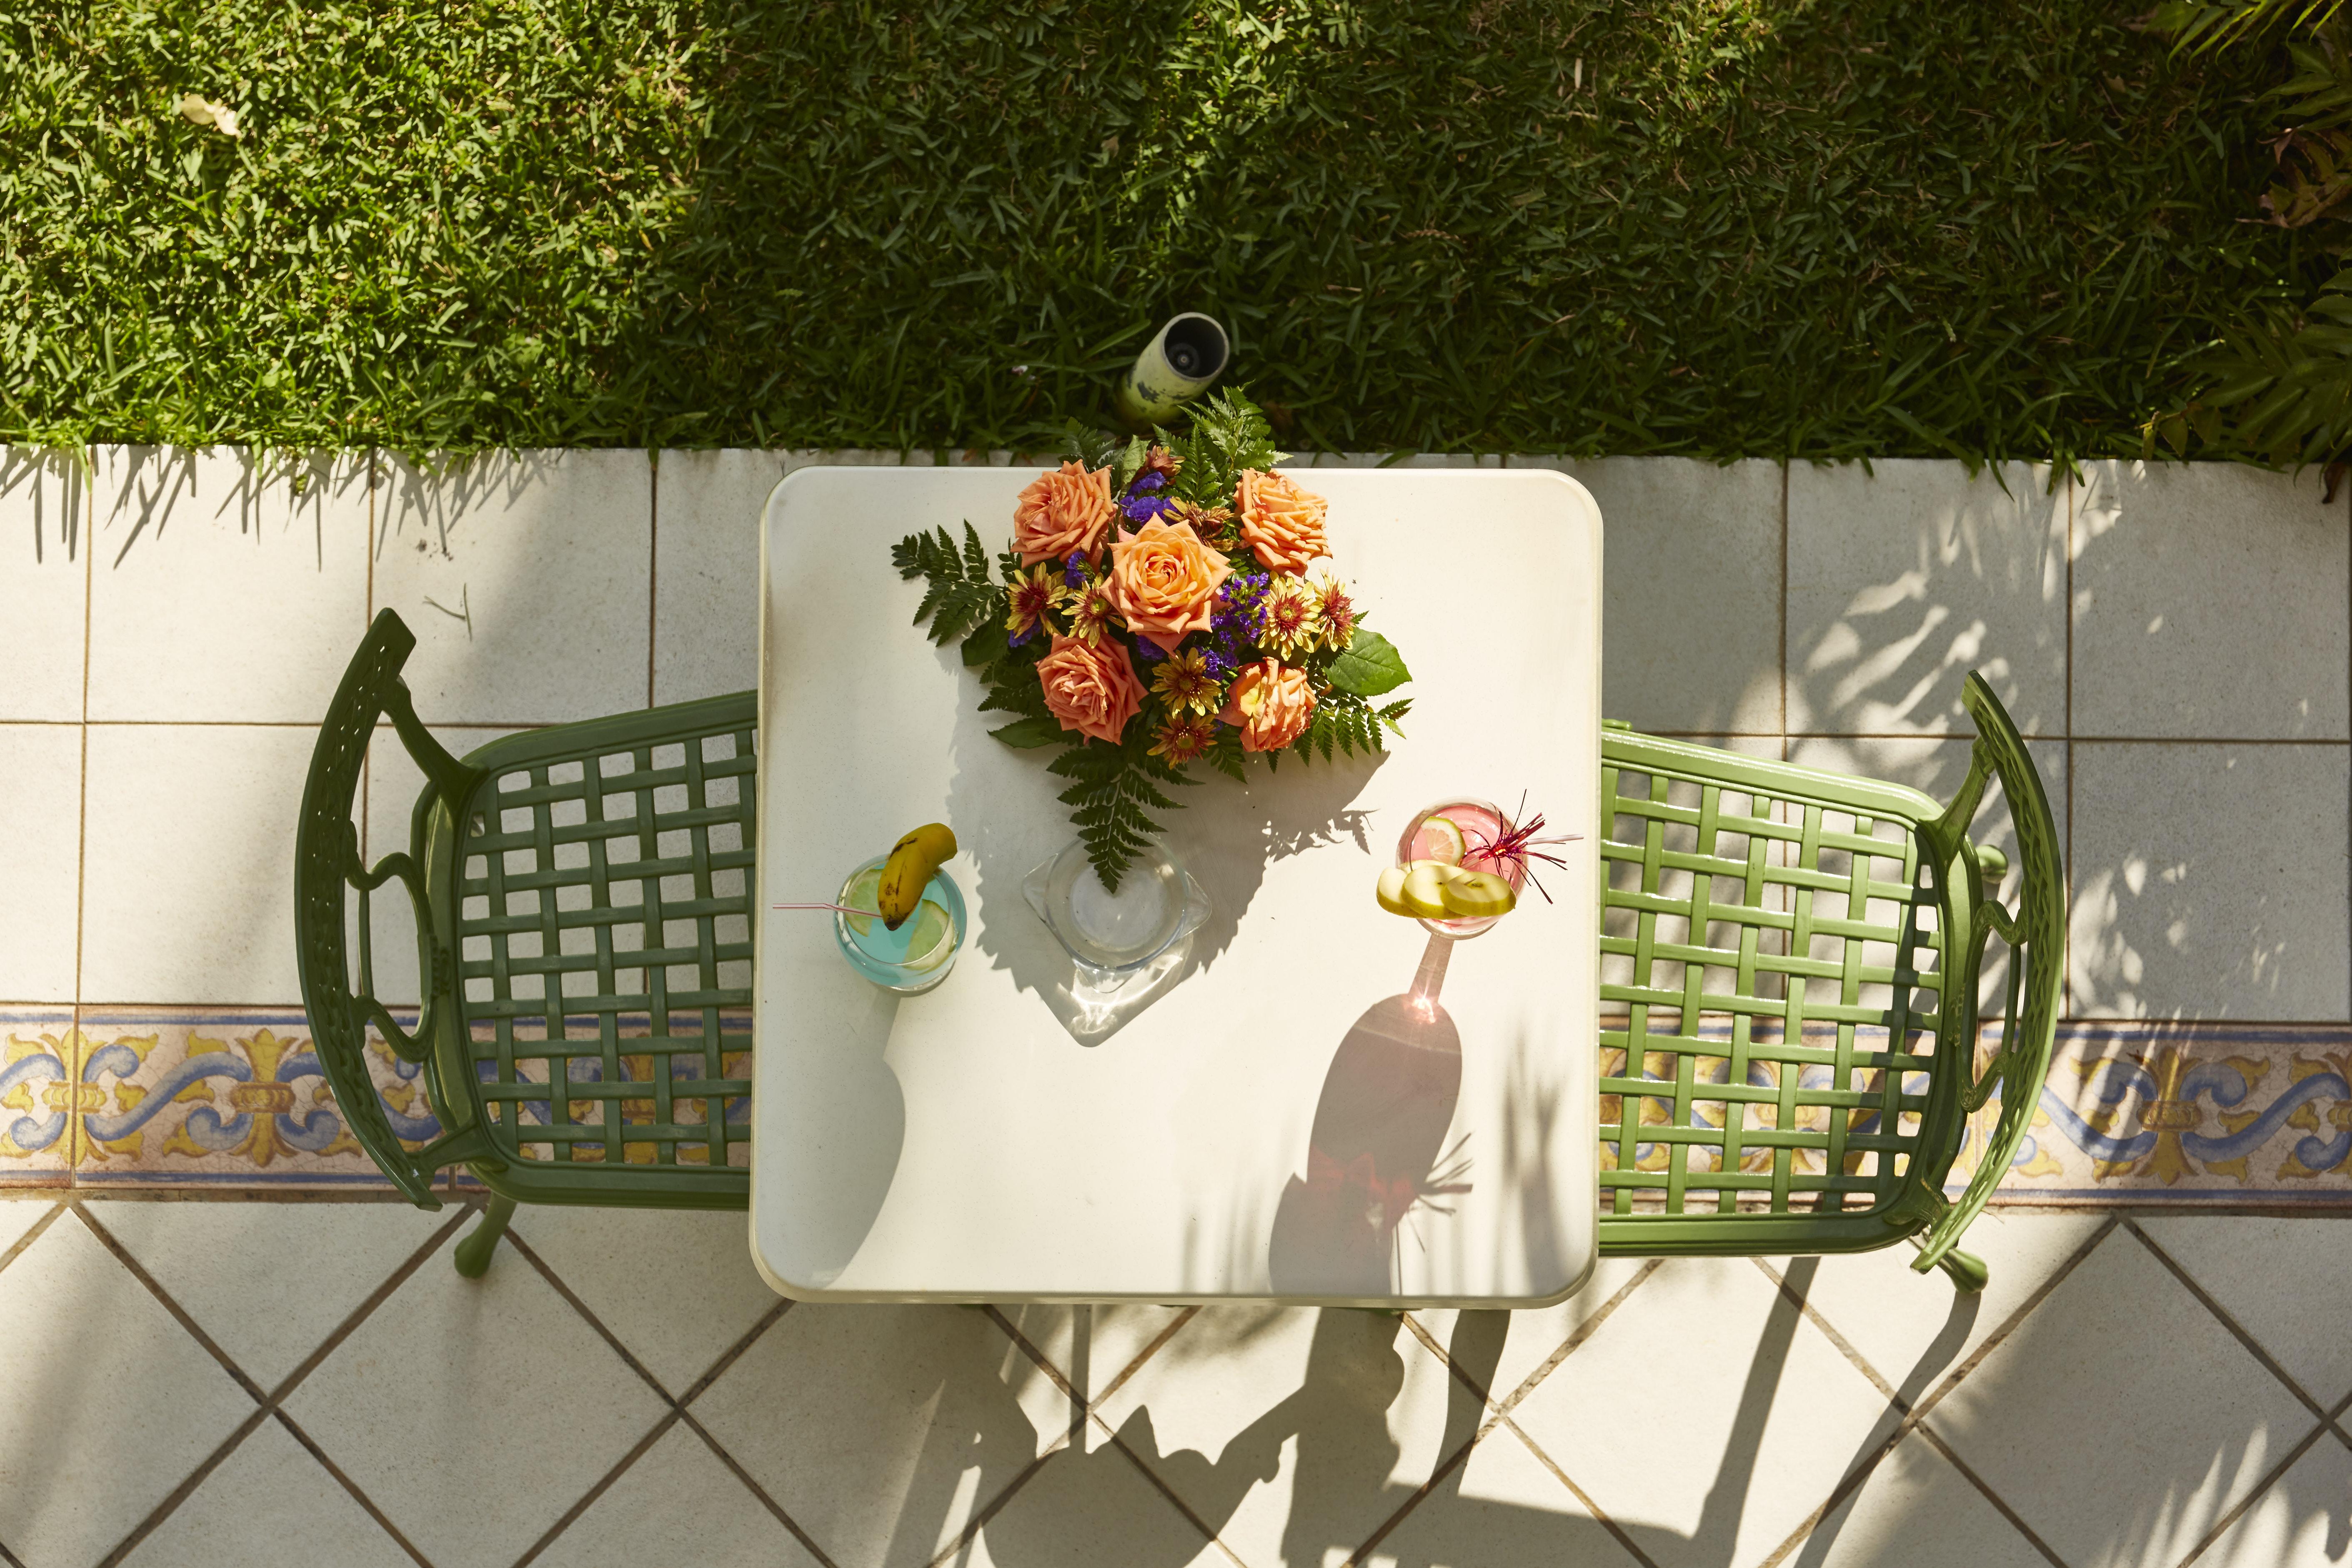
point(1711, 226)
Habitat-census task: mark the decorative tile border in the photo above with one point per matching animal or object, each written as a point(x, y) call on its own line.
point(2189, 1112)
point(2132, 1113)
point(37, 1053)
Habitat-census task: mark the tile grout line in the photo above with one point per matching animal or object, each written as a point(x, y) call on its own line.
point(1145, 1354)
point(2205, 1299)
point(1592, 1505)
point(1152, 1477)
point(2000, 1335)
point(293, 1430)
point(2066, 938)
point(1577, 1337)
point(2262, 1489)
point(16, 1248)
point(1934, 1440)
point(652, 565)
point(1784, 609)
point(81, 828)
point(265, 1403)
point(962, 1539)
point(678, 1411)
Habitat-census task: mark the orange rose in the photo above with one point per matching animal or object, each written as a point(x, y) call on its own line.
point(1090, 687)
point(1282, 523)
point(1062, 511)
point(1163, 581)
point(1272, 704)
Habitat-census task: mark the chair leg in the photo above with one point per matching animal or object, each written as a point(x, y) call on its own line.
point(474, 1252)
point(1968, 1270)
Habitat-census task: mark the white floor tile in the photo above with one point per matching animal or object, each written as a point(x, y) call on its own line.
point(2275, 1277)
point(1755, 1415)
point(1293, 1433)
point(2209, 602)
point(676, 1286)
point(1501, 1510)
point(269, 1281)
point(1085, 1509)
point(527, 580)
point(43, 582)
point(1914, 1328)
point(883, 1430)
point(678, 1503)
point(2121, 1420)
point(708, 508)
point(188, 863)
point(19, 1214)
point(474, 1412)
point(2302, 1521)
point(224, 590)
point(106, 1403)
point(1904, 578)
point(2210, 882)
point(269, 1505)
point(40, 859)
point(1692, 639)
point(1915, 1511)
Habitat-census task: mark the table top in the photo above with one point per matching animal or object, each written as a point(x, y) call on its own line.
point(1274, 1117)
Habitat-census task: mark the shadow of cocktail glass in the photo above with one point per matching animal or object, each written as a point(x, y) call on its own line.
point(1376, 1145)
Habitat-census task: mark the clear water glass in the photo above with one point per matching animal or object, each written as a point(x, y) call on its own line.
point(920, 953)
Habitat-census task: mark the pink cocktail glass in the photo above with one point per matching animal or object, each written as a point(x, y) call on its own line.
point(1482, 824)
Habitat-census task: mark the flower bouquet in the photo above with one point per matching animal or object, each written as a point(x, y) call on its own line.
point(1166, 603)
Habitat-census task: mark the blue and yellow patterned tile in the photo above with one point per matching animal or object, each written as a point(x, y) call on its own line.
point(208, 1097)
point(2192, 1113)
point(37, 1053)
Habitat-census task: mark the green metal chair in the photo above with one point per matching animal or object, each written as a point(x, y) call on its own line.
point(583, 898)
point(1796, 956)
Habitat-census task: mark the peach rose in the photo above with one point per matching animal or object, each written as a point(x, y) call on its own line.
point(1272, 704)
point(1164, 580)
point(1090, 687)
point(1058, 513)
point(1282, 523)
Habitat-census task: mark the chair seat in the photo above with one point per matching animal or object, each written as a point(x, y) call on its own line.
point(602, 914)
point(1780, 1064)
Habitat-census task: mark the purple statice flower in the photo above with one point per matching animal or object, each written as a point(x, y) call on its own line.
point(1073, 569)
point(1144, 507)
point(1150, 649)
point(1218, 665)
point(1146, 481)
point(1019, 638)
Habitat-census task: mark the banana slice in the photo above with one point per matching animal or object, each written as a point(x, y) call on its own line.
point(1423, 892)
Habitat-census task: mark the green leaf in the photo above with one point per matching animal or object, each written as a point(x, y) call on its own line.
point(1370, 666)
point(1027, 733)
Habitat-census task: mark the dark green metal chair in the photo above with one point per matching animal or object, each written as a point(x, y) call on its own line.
point(583, 898)
point(1796, 956)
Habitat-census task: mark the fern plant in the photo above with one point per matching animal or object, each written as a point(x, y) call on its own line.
point(1272, 633)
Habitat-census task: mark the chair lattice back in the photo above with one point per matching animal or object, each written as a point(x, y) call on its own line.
point(1789, 969)
point(582, 897)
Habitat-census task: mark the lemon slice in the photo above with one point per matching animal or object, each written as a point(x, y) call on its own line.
point(1476, 896)
point(930, 938)
point(864, 892)
point(1440, 839)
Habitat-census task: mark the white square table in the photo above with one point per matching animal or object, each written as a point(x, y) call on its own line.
point(1275, 1119)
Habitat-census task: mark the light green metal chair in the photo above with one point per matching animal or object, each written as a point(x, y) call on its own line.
point(1790, 995)
point(583, 898)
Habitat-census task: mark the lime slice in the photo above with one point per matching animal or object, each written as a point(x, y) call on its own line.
point(863, 891)
point(1439, 839)
point(930, 938)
